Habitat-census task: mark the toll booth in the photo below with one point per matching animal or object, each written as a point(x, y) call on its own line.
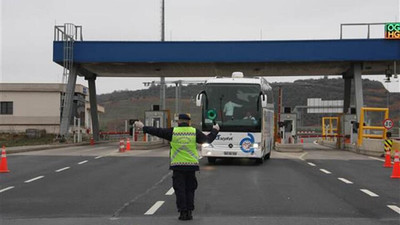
point(288, 128)
point(349, 128)
point(156, 119)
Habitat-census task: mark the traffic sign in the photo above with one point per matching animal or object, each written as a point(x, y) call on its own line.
point(388, 124)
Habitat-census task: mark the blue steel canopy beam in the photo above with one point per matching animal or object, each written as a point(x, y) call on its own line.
point(254, 58)
point(232, 51)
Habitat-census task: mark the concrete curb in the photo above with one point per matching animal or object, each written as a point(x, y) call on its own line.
point(288, 147)
point(30, 148)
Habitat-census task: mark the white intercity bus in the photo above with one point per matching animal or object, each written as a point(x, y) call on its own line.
point(244, 110)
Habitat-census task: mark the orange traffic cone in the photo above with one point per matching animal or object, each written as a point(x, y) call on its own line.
point(396, 167)
point(388, 161)
point(121, 145)
point(3, 163)
point(128, 144)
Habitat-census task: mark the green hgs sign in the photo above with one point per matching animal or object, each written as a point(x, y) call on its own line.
point(392, 31)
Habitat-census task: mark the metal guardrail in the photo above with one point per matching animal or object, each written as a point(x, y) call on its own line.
point(332, 128)
point(360, 24)
point(363, 127)
point(114, 135)
point(67, 32)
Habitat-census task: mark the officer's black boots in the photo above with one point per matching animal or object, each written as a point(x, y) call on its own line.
point(185, 215)
point(190, 217)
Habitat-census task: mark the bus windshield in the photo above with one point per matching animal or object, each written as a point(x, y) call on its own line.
point(235, 107)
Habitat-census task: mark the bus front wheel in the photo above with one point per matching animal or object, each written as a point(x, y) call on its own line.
point(260, 160)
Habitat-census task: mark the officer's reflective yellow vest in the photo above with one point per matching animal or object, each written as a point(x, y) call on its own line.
point(183, 147)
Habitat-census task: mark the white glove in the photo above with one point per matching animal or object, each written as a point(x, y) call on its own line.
point(138, 125)
point(216, 126)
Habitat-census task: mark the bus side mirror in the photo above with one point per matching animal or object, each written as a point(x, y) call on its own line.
point(199, 98)
point(264, 100)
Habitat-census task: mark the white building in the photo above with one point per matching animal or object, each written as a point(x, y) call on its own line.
point(38, 106)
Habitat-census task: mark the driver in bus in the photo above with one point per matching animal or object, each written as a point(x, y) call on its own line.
point(249, 116)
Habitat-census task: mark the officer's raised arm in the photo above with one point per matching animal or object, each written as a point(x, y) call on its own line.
point(202, 138)
point(164, 133)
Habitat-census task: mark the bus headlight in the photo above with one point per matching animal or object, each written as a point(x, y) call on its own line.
point(256, 145)
point(207, 145)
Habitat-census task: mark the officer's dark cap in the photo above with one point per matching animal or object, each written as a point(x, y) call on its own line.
point(184, 116)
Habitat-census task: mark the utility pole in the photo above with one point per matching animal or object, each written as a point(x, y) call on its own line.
point(162, 79)
point(163, 20)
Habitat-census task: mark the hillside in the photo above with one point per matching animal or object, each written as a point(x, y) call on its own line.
point(124, 105)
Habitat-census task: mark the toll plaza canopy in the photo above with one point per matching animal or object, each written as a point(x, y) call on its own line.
point(221, 58)
point(350, 58)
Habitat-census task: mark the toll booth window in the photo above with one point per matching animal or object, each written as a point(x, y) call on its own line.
point(288, 126)
point(6, 108)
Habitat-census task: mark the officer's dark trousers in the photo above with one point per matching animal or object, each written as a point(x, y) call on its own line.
point(184, 184)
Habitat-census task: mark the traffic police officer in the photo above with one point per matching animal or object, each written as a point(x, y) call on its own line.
point(184, 159)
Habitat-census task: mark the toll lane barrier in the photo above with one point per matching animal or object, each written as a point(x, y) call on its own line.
point(113, 135)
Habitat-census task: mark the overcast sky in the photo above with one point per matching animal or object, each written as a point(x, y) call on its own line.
point(27, 28)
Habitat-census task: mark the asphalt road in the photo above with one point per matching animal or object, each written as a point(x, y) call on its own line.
point(98, 185)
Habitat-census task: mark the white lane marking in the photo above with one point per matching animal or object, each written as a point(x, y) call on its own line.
point(370, 193)
point(6, 189)
point(80, 163)
point(170, 191)
point(304, 154)
point(345, 180)
point(311, 164)
point(394, 208)
point(33, 179)
point(62, 169)
point(154, 208)
point(325, 171)
point(111, 153)
point(382, 160)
